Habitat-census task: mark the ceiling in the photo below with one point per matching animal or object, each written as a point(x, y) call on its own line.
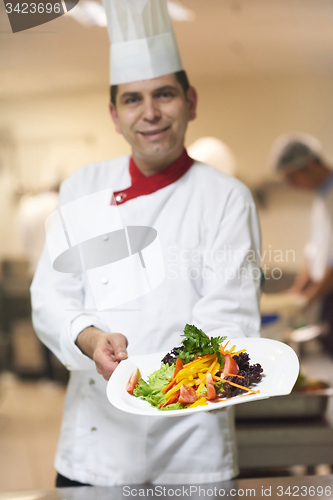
point(227, 39)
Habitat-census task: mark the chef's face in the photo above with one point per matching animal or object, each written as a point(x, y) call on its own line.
point(305, 178)
point(152, 115)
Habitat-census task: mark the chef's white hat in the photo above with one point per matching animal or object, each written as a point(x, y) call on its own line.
point(293, 151)
point(143, 44)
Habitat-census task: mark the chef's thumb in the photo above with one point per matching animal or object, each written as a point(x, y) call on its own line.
point(119, 344)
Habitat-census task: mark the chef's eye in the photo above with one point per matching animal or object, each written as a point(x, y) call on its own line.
point(167, 94)
point(131, 100)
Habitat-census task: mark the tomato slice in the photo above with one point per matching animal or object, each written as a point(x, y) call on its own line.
point(178, 367)
point(187, 394)
point(133, 381)
point(174, 398)
point(230, 365)
point(211, 392)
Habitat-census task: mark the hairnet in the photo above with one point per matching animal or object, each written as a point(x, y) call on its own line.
point(295, 151)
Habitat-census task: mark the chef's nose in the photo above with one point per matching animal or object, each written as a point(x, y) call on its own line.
point(151, 110)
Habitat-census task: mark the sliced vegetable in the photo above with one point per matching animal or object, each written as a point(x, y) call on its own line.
point(178, 367)
point(187, 395)
point(200, 402)
point(174, 398)
point(169, 386)
point(208, 364)
point(211, 393)
point(133, 381)
point(230, 365)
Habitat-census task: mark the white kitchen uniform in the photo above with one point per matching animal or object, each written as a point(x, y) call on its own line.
point(208, 229)
point(319, 250)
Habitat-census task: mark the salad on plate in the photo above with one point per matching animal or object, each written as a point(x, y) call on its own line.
point(202, 369)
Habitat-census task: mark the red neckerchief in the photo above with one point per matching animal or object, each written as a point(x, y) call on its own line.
point(142, 185)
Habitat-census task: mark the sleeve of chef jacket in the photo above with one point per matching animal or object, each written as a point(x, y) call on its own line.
point(231, 274)
point(57, 304)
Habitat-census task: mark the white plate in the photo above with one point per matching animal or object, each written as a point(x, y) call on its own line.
point(279, 362)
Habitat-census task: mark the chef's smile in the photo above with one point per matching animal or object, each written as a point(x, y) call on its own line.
point(154, 134)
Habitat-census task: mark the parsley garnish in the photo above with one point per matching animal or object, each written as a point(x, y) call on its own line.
point(196, 342)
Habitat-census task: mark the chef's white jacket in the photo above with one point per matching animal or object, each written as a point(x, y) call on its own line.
point(209, 234)
point(319, 249)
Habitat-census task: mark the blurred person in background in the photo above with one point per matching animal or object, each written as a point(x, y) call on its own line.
point(298, 158)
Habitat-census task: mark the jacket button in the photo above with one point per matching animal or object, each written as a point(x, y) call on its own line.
point(121, 196)
point(105, 237)
point(91, 381)
point(105, 281)
point(93, 429)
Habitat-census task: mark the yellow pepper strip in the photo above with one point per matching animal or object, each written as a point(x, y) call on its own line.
point(166, 388)
point(203, 379)
point(186, 372)
point(201, 385)
point(216, 369)
point(238, 352)
point(199, 402)
point(198, 380)
point(207, 357)
point(178, 386)
point(212, 366)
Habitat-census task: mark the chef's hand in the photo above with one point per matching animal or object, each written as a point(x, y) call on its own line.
point(106, 349)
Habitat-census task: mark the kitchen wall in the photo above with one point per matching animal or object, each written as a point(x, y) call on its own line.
point(246, 113)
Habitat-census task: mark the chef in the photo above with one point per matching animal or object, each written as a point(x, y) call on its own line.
point(138, 247)
point(299, 159)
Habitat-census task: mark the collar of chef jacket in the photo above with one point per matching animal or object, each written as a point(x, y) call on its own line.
point(142, 185)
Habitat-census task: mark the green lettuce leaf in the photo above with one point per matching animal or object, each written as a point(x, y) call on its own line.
point(151, 390)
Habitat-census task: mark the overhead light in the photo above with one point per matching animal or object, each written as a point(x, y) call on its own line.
point(90, 13)
point(179, 12)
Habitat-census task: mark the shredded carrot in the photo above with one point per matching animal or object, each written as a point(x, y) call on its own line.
point(222, 348)
point(212, 365)
point(167, 387)
point(237, 385)
point(242, 387)
point(233, 375)
point(230, 351)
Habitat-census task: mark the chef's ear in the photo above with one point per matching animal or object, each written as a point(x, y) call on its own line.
point(114, 116)
point(192, 99)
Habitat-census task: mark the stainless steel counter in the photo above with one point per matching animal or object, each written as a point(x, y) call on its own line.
point(306, 487)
